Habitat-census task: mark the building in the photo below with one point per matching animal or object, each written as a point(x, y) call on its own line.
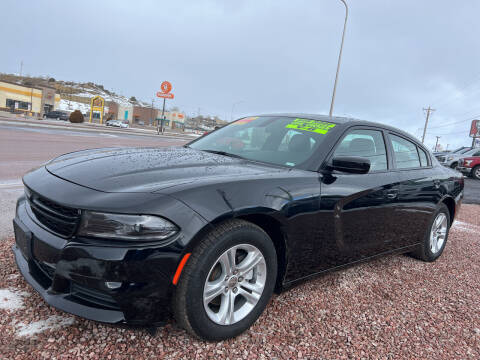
point(50, 99)
point(125, 113)
point(143, 115)
point(27, 99)
point(173, 119)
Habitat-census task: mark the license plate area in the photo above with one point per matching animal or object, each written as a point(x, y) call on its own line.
point(23, 239)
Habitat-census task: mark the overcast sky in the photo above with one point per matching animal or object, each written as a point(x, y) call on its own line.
point(269, 55)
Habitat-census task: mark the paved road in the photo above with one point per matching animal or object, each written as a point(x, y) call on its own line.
point(472, 191)
point(23, 148)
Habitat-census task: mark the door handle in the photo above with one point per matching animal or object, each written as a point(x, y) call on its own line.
point(391, 194)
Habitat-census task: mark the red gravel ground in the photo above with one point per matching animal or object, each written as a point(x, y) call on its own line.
point(392, 308)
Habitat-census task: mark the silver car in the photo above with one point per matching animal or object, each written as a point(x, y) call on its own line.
point(451, 160)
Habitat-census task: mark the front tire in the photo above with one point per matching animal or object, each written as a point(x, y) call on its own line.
point(436, 236)
point(454, 165)
point(227, 281)
point(476, 172)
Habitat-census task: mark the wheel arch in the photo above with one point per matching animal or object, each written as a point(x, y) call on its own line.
point(267, 223)
point(450, 203)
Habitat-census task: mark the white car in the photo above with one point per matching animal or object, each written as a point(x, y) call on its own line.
point(117, 123)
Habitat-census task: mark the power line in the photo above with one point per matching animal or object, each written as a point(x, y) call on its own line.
point(453, 123)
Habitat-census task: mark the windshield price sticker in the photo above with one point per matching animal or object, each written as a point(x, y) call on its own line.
point(319, 127)
point(245, 120)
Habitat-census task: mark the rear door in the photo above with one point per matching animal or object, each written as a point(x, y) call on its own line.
point(359, 209)
point(419, 189)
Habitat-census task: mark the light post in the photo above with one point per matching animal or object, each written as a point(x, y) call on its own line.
point(339, 58)
point(233, 106)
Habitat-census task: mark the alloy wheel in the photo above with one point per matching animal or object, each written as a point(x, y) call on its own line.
point(234, 284)
point(477, 173)
point(438, 233)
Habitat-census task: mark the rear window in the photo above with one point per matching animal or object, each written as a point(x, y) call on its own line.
point(406, 154)
point(423, 157)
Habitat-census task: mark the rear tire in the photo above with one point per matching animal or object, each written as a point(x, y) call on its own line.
point(248, 291)
point(476, 172)
point(436, 236)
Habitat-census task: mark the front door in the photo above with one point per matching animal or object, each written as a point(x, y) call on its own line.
point(358, 210)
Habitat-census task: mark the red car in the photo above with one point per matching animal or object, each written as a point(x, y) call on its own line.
point(470, 166)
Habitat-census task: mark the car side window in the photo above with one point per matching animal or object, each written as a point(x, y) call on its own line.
point(406, 155)
point(423, 157)
point(365, 143)
point(476, 154)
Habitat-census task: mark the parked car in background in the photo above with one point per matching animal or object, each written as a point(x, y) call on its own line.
point(451, 160)
point(470, 166)
point(57, 114)
point(117, 123)
point(440, 153)
point(210, 230)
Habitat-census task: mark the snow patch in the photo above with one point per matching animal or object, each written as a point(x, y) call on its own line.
point(11, 299)
point(67, 105)
point(466, 227)
point(52, 323)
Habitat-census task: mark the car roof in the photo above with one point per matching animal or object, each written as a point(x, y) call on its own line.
point(349, 121)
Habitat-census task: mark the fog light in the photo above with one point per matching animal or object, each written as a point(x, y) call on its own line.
point(113, 284)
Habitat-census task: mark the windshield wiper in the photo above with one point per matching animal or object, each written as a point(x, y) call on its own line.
point(224, 153)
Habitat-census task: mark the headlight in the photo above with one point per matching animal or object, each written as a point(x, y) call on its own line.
point(125, 227)
point(449, 158)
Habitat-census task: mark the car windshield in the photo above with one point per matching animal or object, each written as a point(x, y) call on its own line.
point(276, 140)
point(464, 150)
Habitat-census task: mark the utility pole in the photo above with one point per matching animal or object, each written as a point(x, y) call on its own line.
point(436, 144)
point(21, 67)
point(152, 115)
point(233, 107)
point(339, 59)
point(429, 110)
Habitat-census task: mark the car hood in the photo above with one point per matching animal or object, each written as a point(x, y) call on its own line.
point(150, 169)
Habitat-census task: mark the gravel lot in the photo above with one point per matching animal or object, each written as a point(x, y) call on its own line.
point(391, 308)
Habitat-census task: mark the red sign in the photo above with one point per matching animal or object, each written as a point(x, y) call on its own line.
point(475, 128)
point(165, 96)
point(166, 87)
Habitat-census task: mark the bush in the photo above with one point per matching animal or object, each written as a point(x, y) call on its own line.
point(76, 117)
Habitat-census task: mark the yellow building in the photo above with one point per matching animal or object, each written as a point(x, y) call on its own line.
point(34, 100)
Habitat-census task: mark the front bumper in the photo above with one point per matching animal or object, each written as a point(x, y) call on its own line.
point(464, 170)
point(72, 276)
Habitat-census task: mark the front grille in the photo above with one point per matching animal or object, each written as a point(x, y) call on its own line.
point(56, 218)
point(92, 296)
point(48, 270)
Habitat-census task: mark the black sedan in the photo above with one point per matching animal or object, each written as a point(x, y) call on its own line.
point(57, 114)
point(207, 232)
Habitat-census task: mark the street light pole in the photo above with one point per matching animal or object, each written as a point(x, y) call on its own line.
point(233, 106)
point(339, 58)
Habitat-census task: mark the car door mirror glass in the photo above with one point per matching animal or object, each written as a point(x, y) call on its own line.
point(351, 164)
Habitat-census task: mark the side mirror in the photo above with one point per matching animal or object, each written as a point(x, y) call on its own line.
point(350, 164)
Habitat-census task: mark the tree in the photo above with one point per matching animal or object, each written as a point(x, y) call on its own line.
point(133, 99)
point(76, 117)
point(51, 80)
